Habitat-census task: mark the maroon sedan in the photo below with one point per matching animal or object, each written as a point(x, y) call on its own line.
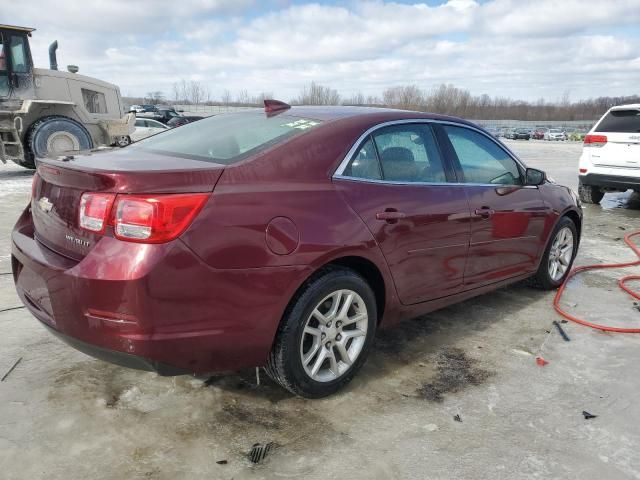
point(282, 238)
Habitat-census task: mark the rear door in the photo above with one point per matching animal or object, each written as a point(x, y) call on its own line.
point(507, 218)
point(398, 183)
point(621, 126)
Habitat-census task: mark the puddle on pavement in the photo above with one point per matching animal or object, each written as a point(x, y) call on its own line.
point(455, 371)
point(626, 200)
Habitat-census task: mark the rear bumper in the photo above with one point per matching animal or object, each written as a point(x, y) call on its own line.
point(153, 307)
point(610, 181)
point(118, 358)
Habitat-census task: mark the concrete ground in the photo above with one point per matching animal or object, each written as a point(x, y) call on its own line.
point(67, 416)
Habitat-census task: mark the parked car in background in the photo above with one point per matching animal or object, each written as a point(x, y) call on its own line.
point(161, 114)
point(538, 133)
point(146, 127)
point(610, 158)
point(252, 239)
point(519, 134)
point(183, 120)
point(142, 108)
point(577, 135)
point(555, 134)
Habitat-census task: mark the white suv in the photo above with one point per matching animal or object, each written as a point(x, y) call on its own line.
point(555, 134)
point(610, 158)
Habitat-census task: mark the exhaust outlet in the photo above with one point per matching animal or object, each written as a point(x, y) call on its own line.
point(53, 61)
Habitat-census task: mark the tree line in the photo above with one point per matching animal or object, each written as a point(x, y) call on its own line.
point(444, 99)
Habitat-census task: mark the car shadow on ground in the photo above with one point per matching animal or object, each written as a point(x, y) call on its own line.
point(434, 341)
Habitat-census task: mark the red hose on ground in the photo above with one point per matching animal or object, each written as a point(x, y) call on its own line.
point(622, 283)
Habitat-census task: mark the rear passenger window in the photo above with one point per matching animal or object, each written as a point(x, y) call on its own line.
point(620, 121)
point(365, 163)
point(482, 160)
point(400, 153)
point(409, 153)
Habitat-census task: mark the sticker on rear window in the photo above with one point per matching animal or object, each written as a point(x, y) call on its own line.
point(301, 124)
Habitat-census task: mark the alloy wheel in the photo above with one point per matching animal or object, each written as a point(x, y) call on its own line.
point(334, 335)
point(561, 254)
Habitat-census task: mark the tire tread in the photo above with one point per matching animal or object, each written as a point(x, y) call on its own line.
point(276, 367)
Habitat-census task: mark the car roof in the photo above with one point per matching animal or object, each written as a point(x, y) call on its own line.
point(366, 114)
point(627, 107)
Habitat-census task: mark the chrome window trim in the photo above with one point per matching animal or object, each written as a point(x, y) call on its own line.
point(432, 184)
point(345, 161)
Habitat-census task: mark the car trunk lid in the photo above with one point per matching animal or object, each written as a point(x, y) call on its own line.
point(60, 183)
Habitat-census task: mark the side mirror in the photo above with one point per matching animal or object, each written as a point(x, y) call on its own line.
point(535, 177)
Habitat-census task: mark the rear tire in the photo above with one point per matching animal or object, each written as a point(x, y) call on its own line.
point(56, 134)
point(589, 194)
point(308, 355)
point(560, 252)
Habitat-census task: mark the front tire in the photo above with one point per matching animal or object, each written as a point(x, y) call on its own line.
point(325, 335)
point(589, 194)
point(558, 257)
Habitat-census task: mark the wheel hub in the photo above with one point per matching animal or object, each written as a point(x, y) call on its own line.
point(561, 254)
point(334, 335)
point(59, 142)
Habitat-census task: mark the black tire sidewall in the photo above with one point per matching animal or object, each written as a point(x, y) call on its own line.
point(589, 194)
point(297, 317)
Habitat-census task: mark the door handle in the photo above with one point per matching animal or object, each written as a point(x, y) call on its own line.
point(389, 215)
point(484, 212)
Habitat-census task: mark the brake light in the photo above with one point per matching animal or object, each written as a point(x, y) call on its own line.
point(140, 218)
point(155, 218)
point(595, 140)
point(94, 210)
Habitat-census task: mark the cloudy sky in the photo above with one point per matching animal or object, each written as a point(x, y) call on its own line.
point(517, 48)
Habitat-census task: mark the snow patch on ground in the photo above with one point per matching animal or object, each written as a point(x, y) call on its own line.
point(14, 180)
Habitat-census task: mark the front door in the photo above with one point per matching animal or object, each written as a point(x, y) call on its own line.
point(508, 218)
point(397, 182)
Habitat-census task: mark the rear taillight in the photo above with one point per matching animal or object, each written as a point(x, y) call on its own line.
point(595, 140)
point(143, 218)
point(94, 210)
point(155, 218)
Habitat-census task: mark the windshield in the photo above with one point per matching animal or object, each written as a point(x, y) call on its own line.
point(226, 139)
point(622, 121)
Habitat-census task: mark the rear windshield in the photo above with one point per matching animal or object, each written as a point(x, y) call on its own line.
point(623, 121)
point(227, 139)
